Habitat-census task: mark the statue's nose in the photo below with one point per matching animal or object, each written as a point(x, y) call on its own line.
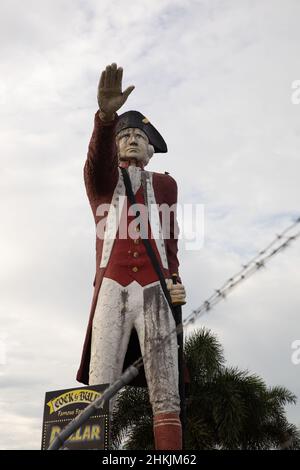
point(132, 140)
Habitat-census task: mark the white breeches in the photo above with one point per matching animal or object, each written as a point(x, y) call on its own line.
point(119, 309)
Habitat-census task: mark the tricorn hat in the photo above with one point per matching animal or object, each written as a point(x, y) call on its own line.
point(136, 119)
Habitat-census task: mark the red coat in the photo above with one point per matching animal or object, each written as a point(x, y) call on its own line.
point(100, 177)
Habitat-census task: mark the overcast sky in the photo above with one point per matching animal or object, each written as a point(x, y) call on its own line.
point(215, 77)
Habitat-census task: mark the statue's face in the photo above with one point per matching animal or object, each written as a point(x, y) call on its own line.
point(133, 143)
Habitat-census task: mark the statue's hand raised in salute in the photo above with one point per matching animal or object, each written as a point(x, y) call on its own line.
point(110, 95)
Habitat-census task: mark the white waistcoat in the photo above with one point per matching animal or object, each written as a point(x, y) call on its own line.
point(137, 176)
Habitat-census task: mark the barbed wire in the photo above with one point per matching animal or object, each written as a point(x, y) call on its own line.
point(254, 265)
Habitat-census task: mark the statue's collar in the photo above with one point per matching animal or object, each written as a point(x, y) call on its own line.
point(127, 163)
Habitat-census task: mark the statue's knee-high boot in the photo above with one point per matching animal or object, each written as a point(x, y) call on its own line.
point(167, 431)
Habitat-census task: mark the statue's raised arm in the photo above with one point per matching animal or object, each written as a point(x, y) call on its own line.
point(100, 169)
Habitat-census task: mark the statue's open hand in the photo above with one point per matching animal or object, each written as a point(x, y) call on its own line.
point(110, 95)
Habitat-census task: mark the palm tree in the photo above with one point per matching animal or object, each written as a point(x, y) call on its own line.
point(226, 408)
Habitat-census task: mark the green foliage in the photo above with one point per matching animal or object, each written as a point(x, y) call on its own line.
point(226, 408)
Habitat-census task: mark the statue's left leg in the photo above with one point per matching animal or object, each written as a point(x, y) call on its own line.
point(153, 326)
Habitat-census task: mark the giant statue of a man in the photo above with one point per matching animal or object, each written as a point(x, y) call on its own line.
point(129, 312)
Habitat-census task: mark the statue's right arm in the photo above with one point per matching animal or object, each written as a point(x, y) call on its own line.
point(101, 166)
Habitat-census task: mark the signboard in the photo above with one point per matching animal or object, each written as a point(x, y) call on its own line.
point(62, 406)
